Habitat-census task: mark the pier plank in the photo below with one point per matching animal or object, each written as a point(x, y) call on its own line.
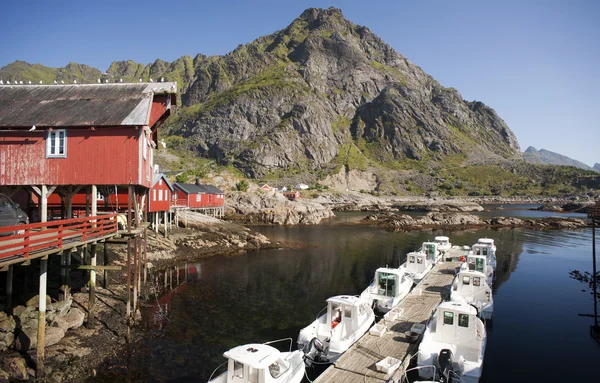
point(358, 363)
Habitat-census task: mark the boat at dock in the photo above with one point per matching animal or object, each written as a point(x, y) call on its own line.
point(454, 342)
point(471, 287)
point(261, 363)
point(479, 263)
point(419, 263)
point(388, 288)
point(485, 246)
point(346, 319)
point(443, 243)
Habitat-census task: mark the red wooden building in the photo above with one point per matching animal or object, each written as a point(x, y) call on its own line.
point(159, 198)
point(204, 198)
point(78, 138)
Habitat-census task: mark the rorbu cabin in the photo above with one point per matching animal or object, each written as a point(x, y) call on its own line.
point(203, 198)
point(67, 139)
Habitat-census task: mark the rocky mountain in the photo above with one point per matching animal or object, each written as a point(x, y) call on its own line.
point(322, 96)
point(546, 157)
point(597, 167)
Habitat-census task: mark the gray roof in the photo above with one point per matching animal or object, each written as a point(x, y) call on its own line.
point(164, 177)
point(193, 188)
point(79, 104)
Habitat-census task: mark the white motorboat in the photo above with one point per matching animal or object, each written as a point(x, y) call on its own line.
point(388, 288)
point(254, 363)
point(347, 318)
point(485, 246)
point(443, 243)
point(455, 341)
point(417, 265)
point(479, 263)
point(471, 287)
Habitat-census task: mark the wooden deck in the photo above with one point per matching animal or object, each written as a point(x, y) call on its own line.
point(358, 363)
point(46, 238)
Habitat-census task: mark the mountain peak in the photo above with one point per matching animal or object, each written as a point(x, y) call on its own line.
point(531, 149)
point(321, 14)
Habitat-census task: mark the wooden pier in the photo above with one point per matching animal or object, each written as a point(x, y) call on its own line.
point(358, 363)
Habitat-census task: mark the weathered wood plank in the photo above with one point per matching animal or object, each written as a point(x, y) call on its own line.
point(358, 363)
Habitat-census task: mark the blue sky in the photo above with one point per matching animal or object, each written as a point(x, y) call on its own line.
point(537, 63)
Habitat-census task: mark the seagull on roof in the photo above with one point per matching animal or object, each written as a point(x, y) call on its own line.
point(62, 81)
point(99, 81)
point(41, 82)
point(1, 82)
point(29, 82)
point(55, 82)
point(74, 81)
point(7, 82)
point(151, 80)
point(140, 79)
point(120, 80)
point(162, 79)
point(32, 128)
point(21, 82)
point(106, 81)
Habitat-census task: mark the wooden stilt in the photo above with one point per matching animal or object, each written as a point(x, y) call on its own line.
point(105, 261)
point(62, 292)
point(39, 368)
point(135, 275)
point(9, 288)
point(145, 257)
point(91, 323)
point(166, 280)
point(68, 269)
point(177, 272)
point(128, 312)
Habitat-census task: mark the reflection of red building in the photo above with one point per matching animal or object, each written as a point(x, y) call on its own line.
point(156, 315)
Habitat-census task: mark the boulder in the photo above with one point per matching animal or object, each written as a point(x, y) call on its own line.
point(34, 302)
point(6, 340)
point(60, 307)
point(27, 339)
point(15, 367)
point(74, 318)
point(7, 323)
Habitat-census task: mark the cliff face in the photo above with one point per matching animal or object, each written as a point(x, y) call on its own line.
point(321, 94)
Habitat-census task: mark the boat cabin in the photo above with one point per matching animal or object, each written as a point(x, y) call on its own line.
point(457, 324)
point(389, 281)
point(255, 363)
point(484, 246)
point(477, 263)
point(443, 243)
point(432, 251)
point(472, 284)
point(417, 262)
point(345, 314)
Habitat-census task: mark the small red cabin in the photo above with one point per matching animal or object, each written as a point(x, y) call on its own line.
point(159, 195)
point(292, 195)
point(198, 196)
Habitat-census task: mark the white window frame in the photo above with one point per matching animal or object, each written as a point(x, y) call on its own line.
point(198, 198)
point(53, 143)
point(160, 195)
point(144, 145)
point(154, 195)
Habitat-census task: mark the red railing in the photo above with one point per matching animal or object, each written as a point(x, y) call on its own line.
point(35, 238)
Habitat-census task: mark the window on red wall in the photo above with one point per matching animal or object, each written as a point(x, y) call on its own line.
point(56, 143)
point(198, 197)
point(154, 195)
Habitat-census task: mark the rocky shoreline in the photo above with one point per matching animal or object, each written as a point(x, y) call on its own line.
point(462, 221)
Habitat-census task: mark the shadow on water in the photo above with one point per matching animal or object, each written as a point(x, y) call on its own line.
point(222, 302)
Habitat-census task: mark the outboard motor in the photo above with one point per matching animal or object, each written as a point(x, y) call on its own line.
point(445, 362)
point(313, 351)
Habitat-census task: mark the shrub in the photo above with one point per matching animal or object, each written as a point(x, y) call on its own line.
point(242, 186)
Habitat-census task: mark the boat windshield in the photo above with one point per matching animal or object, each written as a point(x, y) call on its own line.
point(387, 284)
point(278, 368)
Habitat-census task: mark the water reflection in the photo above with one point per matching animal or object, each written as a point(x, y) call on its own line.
point(265, 295)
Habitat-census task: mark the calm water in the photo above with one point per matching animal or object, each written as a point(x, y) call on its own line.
point(265, 295)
